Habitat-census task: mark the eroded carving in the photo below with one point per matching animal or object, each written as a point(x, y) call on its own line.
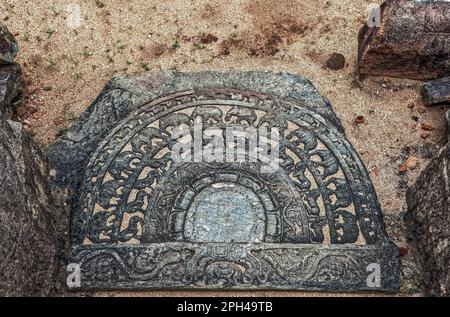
point(143, 220)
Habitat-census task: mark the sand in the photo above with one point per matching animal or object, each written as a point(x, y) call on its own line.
point(70, 49)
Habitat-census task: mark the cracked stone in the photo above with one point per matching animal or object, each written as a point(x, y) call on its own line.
point(436, 91)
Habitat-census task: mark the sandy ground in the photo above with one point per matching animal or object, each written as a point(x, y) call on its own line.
point(70, 49)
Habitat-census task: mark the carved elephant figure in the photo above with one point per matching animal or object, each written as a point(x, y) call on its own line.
point(146, 138)
point(208, 113)
point(274, 121)
point(239, 115)
point(174, 120)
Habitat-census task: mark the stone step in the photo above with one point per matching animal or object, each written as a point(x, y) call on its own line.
point(300, 212)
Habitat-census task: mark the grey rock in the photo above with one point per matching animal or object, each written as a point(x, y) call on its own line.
point(436, 91)
point(410, 278)
point(28, 240)
point(407, 271)
point(335, 62)
point(142, 220)
point(428, 224)
point(8, 45)
point(10, 88)
point(395, 226)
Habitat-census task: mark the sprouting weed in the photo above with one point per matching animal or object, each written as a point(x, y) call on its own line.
point(175, 43)
point(86, 52)
point(50, 32)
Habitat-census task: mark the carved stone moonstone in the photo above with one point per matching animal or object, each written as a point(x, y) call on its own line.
point(142, 220)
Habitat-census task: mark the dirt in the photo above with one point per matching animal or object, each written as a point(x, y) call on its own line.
point(68, 58)
point(267, 40)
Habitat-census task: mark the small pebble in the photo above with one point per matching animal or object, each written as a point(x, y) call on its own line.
point(360, 120)
point(335, 62)
point(20, 111)
point(375, 171)
point(403, 251)
point(402, 168)
point(412, 162)
point(421, 110)
point(427, 127)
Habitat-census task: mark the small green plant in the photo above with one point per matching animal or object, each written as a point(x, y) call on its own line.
point(75, 61)
point(417, 278)
point(50, 32)
point(176, 43)
point(86, 52)
point(99, 4)
point(62, 131)
point(26, 37)
point(71, 116)
point(51, 62)
point(129, 62)
point(199, 46)
point(141, 47)
point(54, 12)
point(145, 66)
point(32, 133)
point(120, 45)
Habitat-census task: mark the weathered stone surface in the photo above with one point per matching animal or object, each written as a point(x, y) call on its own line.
point(10, 88)
point(428, 223)
point(436, 91)
point(28, 243)
point(8, 45)
point(142, 220)
point(413, 41)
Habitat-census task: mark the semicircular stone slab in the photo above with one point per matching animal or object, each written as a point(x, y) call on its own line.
point(144, 218)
